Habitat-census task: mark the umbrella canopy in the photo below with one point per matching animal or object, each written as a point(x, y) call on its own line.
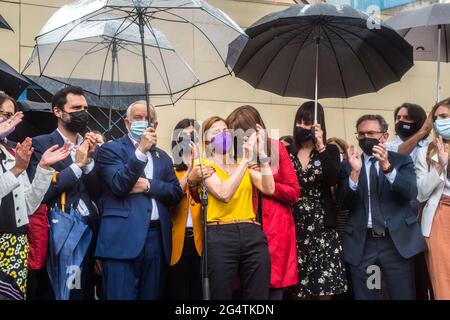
point(4, 24)
point(11, 82)
point(69, 239)
point(95, 54)
point(336, 45)
point(427, 29)
point(161, 20)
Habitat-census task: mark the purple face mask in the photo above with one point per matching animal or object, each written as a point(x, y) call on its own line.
point(3, 136)
point(221, 142)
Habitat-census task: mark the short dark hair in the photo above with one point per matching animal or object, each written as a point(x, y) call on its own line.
point(288, 139)
point(60, 97)
point(306, 113)
point(373, 117)
point(415, 112)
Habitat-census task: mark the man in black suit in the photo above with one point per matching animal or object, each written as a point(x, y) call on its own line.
point(77, 176)
point(382, 230)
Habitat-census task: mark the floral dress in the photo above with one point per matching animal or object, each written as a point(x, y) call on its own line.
point(320, 266)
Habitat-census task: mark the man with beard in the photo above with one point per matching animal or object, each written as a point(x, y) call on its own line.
point(412, 128)
point(76, 178)
point(382, 230)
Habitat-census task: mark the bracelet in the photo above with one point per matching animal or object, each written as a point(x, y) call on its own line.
point(147, 190)
point(264, 160)
point(321, 149)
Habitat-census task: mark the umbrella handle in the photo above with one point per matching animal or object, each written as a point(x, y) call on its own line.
point(63, 195)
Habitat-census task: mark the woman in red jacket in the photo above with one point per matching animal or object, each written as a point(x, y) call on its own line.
point(277, 220)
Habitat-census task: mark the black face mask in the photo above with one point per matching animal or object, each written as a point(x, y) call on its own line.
point(405, 130)
point(367, 145)
point(302, 135)
point(78, 121)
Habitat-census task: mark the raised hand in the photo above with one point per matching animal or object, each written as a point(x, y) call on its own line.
point(318, 134)
point(82, 157)
point(442, 151)
point(381, 154)
point(354, 158)
point(195, 175)
point(261, 141)
point(54, 155)
point(148, 140)
point(23, 155)
point(7, 125)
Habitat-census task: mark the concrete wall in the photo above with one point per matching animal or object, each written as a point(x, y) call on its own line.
point(222, 96)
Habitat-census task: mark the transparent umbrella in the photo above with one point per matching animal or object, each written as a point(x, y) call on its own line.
point(97, 55)
point(169, 22)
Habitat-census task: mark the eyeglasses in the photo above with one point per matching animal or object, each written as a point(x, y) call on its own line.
point(7, 115)
point(368, 134)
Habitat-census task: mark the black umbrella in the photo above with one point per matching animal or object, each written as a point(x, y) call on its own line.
point(427, 29)
point(11, 82)
point(4, 24)
point(356, 55)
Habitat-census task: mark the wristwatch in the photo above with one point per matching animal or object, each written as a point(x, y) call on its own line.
point(388, 170)
point(147, 190)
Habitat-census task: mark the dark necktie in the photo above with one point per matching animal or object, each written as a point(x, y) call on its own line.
point(377, 217)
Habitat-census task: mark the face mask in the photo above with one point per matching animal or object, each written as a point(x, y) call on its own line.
point(3, 136)
point(221, 143)
point(302, 135)
point(77, 122)
point(137, 128)
point(443, 128)
point(367, 144)
point(405, 130)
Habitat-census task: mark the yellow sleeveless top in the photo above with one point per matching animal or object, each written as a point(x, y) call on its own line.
point(240, 206)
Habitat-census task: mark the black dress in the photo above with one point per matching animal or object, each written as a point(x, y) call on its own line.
point(321, 269)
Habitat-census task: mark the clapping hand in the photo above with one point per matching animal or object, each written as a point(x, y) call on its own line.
point(7, 125)
point(23, 155)
point(54, 155)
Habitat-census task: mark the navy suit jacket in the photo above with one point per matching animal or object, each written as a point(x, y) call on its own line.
point(84, 188)
point(125, 217)
point(395, 199)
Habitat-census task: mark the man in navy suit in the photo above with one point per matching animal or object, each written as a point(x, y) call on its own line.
point(382, 229)
point(139, 186)
point(76, 175)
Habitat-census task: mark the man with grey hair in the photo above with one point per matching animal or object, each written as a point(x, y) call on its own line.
point(382, 230)
point(140, 185)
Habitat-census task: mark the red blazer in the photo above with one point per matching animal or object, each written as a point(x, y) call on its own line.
point(278, 222)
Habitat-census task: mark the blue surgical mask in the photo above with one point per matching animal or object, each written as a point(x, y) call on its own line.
point(137, 129)
point(443, 128)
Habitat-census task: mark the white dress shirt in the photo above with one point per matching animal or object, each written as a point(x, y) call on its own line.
point(82, 208)
point(148, 173)
point(367, 163)
point(394, 144)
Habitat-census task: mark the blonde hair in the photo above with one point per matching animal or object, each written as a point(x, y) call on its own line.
point(206, 125)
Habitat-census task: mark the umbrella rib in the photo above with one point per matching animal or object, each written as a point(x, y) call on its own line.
point(275, 56)
point(359, 59)
point(81, 58)
point(201, 31)
point(373, 48)
point(62, 38)
point(262, 46)
point(295, 61)
point(380, 36)
point(106, 57)
point(148, 24)
point(338, 64)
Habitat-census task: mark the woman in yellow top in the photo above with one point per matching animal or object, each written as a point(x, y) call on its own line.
point(184, 278)
point(236, 244)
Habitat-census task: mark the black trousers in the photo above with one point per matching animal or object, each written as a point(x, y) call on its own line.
point(238, 251)
point(397, 271)
point(184, 280)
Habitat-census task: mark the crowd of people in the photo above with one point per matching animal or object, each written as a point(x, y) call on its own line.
point(300, 217)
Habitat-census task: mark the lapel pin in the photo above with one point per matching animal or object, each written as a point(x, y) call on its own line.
point(157, 154)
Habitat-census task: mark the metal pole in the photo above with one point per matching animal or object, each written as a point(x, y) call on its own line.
point(144, 62)
point(438, 79)
point(113, 58)
point(317, 80)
